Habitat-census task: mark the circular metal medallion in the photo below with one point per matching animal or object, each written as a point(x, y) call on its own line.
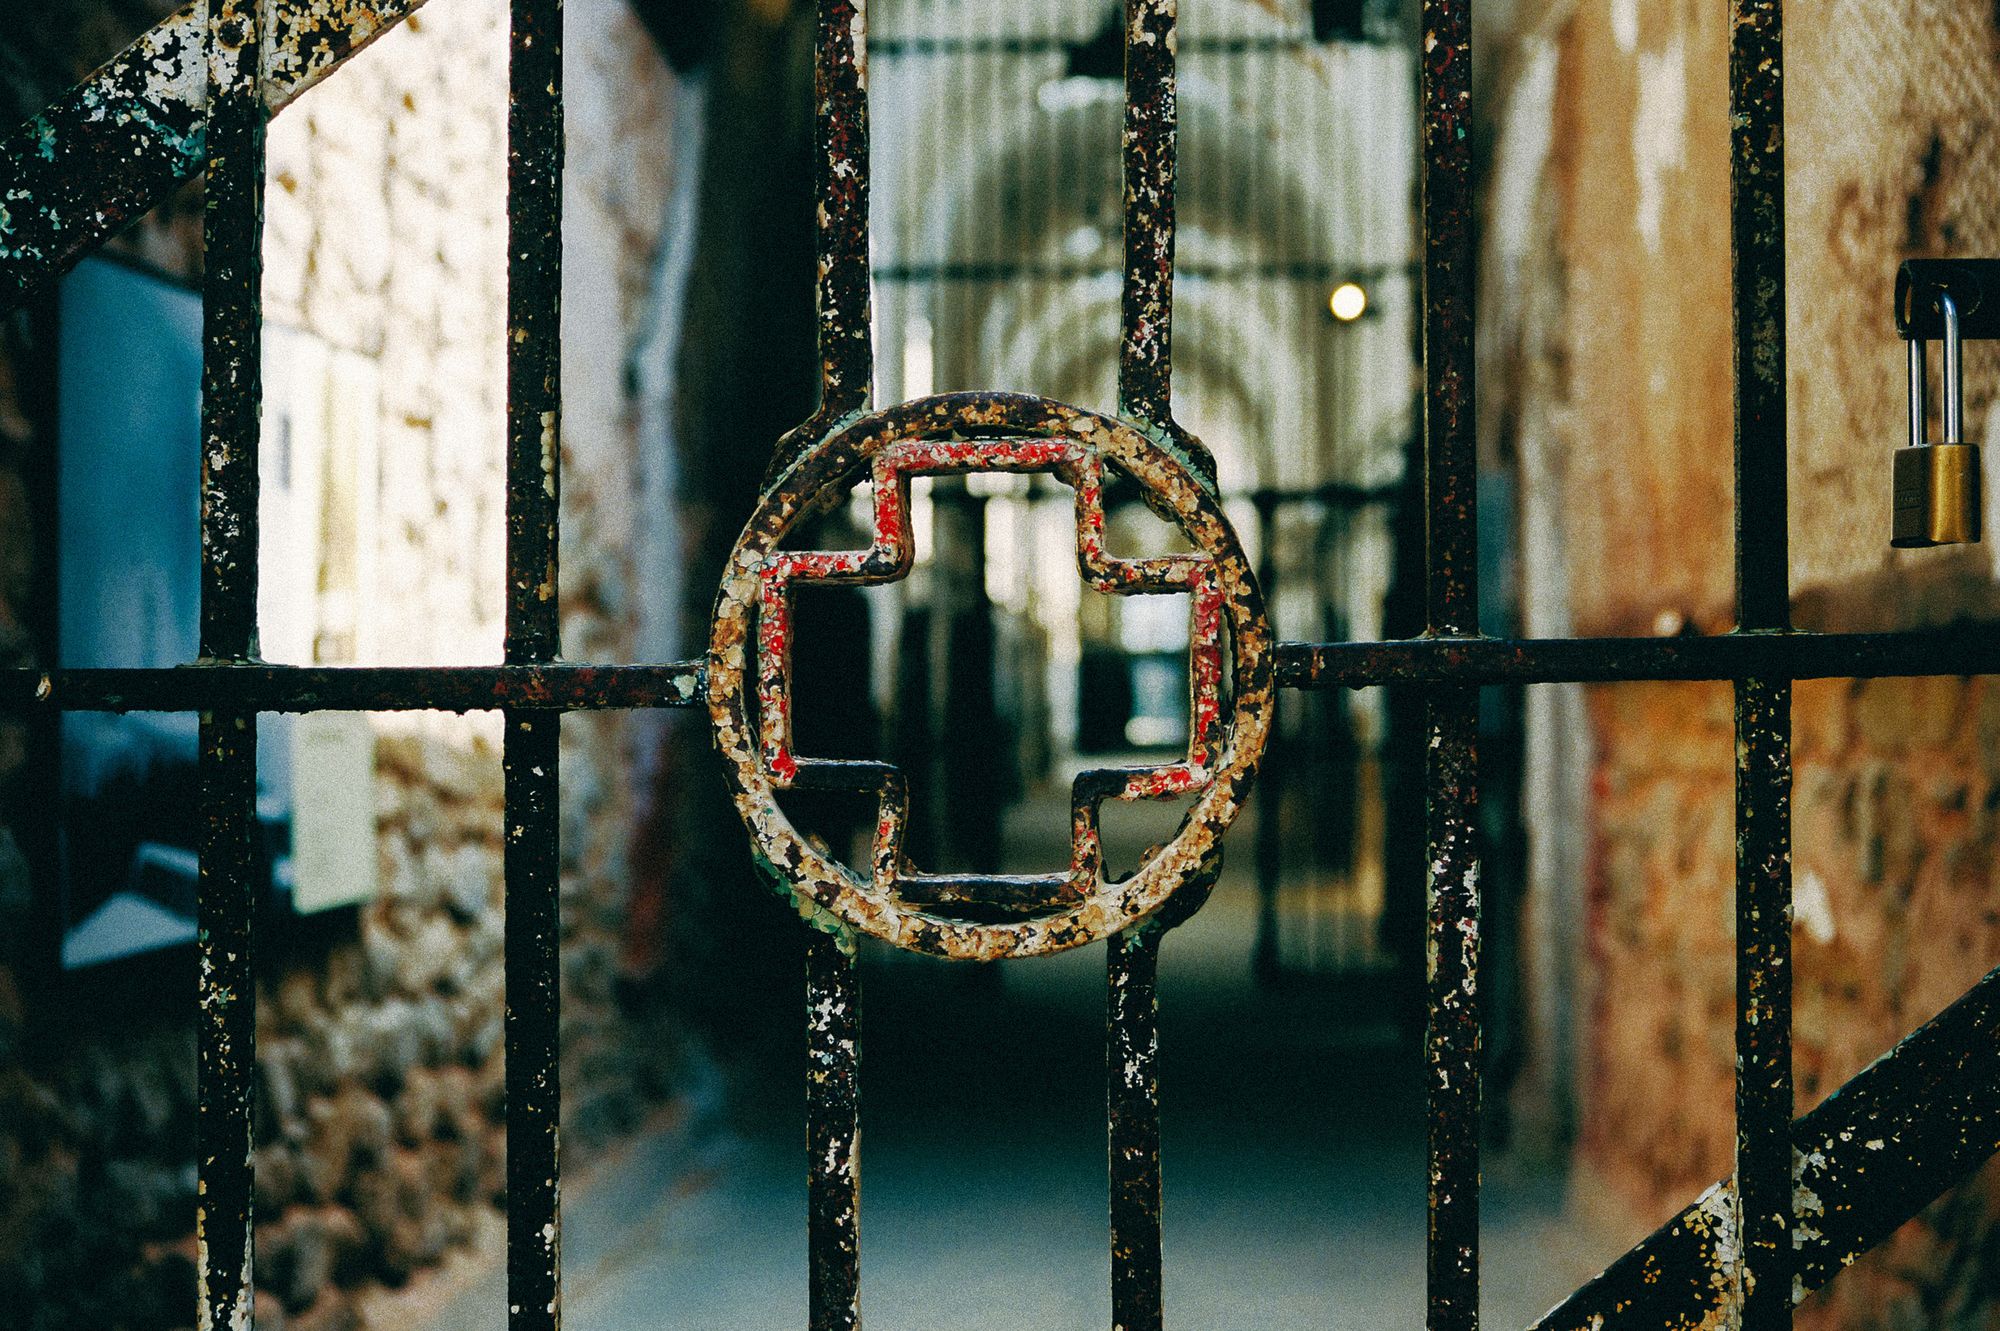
point(987, 917)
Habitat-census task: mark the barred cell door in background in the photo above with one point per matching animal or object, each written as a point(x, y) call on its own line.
point(1806, 1195)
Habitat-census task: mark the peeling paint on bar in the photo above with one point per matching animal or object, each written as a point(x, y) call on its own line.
point(1872, 1155)
point(1764, 998)
point(1757, 240)
point(531, 750)
point(1451, 559)
point(258, 687)
point(230, 47)
point(840, 184)
point(749, 669)
point(1145, 357)
point(1452, 1051)
point(120, 142)
point(1452, 1044)
point(226, 1043)
point(530, 755)
point(1964, 649)
point(1764, 1102)
point(571, 686)
point(833, 1134)
point(1133, 1126)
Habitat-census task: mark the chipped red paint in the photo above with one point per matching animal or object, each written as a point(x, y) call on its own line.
point(957, 435)
point(1081, 466)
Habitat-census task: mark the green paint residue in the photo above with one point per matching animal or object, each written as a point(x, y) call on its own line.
point(809, 910)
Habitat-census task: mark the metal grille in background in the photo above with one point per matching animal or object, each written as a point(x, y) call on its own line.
point(996, 257)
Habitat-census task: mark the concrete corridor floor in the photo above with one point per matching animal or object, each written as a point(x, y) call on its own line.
point(1293, 1158)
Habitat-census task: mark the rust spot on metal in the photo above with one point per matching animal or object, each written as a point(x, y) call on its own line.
point(749, 673)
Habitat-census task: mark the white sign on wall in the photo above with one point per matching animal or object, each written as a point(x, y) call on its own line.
point(316, 586)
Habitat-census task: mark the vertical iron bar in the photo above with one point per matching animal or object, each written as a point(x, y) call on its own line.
point(1133, 1092)
point(1145, 394)
point(833, 1134)
point(227, 1050)
point(1452, 1036)
point(1452, 1044)
point(1145, 356)
point(841, 295)
point(534, 994)
point(1451, 549)
point(1757, 234)
point(1764, 998)
point(847, 359)
point(232, 388)
point(1763, 706)
point(530, 751)
point(840, 184)
point(231, 396)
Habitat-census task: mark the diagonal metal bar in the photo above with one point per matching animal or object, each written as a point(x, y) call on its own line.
point(1873, 1154)
point(121, 141)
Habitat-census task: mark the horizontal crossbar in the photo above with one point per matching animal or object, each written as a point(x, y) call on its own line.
point(572, 687)
point(1439, 660)
point(281, 688)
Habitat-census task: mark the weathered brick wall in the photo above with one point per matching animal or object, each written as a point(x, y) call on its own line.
point(1606, 356)
point(380, 1070)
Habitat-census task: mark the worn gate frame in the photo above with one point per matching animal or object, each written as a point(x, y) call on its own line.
point(195, 94)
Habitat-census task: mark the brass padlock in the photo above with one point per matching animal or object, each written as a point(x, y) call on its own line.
point(1937, 484)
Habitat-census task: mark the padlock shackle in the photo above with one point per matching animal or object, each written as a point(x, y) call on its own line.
point(1920, 391)
point(1954, 377)
point(1937, 495)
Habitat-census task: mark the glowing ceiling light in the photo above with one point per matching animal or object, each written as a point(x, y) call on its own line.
point(1348, 302)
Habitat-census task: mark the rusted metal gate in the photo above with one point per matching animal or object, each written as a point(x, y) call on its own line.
point(1800, 1203)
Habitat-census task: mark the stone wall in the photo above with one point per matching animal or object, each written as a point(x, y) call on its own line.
point(1606, 381)
point(380, 1095)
